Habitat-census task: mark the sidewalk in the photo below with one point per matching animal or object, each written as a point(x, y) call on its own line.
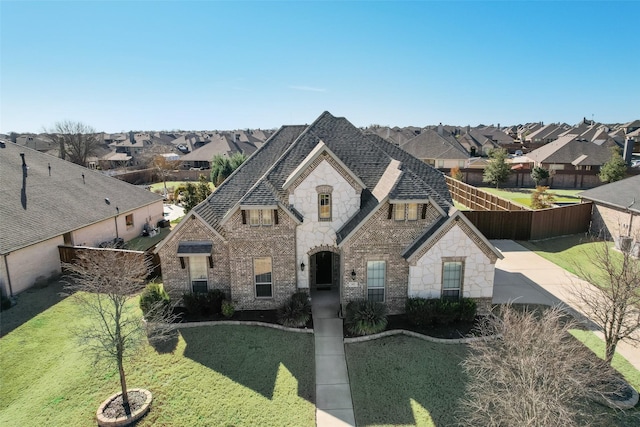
point(525, 277)
point(334, 407)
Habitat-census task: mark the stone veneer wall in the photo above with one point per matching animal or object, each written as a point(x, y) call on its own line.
point(247, 242)
point(345, 202)
point(385, 239)
point(176, 278)
point(456, 243)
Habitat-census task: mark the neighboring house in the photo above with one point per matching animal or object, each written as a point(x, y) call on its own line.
point(571, 152)
point(437, 148)
point(616, 208)
point(220, 144)
point(476, 143)
point(46, 202)
point(326, 205)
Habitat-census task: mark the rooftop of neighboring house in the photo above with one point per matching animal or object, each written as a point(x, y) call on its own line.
point(623, 194)
point(573, 149)
point(260, 181)
point(435, 144)
point(43, 197)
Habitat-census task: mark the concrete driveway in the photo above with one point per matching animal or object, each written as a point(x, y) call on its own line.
point(527, 278)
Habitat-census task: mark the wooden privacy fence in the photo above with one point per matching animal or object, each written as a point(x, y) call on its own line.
point(476, 199)
point(532, 225)
point(68, 254)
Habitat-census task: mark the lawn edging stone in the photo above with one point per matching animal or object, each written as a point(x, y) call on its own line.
point(416, 335)
point(241, 322)
point(124, 421)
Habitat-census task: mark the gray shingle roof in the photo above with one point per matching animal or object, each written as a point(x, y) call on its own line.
point(568, 148)
point(623, 194)
point(259, 181)
point(431, 145)
point(44, 205)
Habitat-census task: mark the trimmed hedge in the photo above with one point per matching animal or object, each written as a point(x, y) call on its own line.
point(153, 297)
point(424, 312)
point(204, 304)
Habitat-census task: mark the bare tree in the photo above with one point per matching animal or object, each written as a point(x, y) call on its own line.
point(103, 282)
point(613, 303)
point(164, 168)
point(529, 371)
point(76, 141)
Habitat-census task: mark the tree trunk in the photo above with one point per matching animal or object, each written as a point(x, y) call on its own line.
point(123, 385)
point(610, 350)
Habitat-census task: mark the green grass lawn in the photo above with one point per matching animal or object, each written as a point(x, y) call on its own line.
point(405, 381)
point(172, 185)
point(523, 195)
point(215, 376)
point(567, 251)
point(142, 243)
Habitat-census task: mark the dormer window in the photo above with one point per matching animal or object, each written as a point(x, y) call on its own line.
point(405, 211)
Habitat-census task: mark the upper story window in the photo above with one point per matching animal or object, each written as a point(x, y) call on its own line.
point(267, 217)
point(324, 207)
point(257, 217)
point(254, 217)
point(324, 202)
point(405, 211)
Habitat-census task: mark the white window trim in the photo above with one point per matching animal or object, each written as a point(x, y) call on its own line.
point(384, 279)
point(255, 281)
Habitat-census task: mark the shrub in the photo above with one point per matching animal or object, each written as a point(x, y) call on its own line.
point(153, 297)
point(5, 303)
point(468, 309)
point(296, 311)
point(228, 309)
point(446, 312)
point(366, 317)
point(204, 304)
point(420, 311)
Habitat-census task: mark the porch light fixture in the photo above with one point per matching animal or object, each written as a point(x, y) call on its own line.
point(353, 275)
point(302, 266)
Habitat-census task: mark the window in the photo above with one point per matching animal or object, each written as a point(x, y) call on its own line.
point(198, 273)
point(405, 211)
point(451, 279)
point(254, 217)
point(324, 207)
point(262, 274)
point(399, 212)
point(412, 211)
point(375, 280)
point(267, 217)
point(129, 220)
point(440, 163)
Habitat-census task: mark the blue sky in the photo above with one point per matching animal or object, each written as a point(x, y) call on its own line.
point(150, 65)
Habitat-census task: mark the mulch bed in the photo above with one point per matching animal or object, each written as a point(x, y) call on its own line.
point(115, 409)
point(398, 321)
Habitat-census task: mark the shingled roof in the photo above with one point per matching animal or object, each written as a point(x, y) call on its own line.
point(260, 180)
point(571, 149)
point(623, 194)
point(48, 197)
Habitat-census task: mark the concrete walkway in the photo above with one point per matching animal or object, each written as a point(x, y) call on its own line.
point(333, 393)
point(525, 277)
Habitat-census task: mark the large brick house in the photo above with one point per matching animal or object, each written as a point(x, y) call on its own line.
point(326, 205)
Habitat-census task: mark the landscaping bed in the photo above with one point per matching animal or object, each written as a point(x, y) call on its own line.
point(266, 316)
point(451, 331)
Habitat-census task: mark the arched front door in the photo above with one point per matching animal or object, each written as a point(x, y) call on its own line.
point(325, 270)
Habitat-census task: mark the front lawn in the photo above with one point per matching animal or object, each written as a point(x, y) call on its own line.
point(216, 375)
point(405, 381)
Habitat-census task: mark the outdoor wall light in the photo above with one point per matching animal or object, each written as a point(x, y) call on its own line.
point(302, 266)
point(353, 275)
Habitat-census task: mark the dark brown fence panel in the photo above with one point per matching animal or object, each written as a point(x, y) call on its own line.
point(515, 225)
point(560, 221)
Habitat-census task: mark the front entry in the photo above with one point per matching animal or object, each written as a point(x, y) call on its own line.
point(325, 270)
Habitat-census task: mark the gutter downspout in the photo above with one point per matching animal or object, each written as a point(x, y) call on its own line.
point(6, 265)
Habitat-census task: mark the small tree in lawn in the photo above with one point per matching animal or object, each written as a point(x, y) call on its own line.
point(498, 170)
point(539, 174)
point(192, 194)
point(163, 168)
point(103, 281)
point(615, 169)
point(541, 199)
point(456, 173)
point(529, 371)
point(613, 303)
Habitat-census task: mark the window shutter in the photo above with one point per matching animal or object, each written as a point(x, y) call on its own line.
point(424, 211)
point(210, 261)
point(390, 211)
point(244, 216)
point(275, 216)
point(182, 262)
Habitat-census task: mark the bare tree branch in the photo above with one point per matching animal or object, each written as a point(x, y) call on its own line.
point(76, 141)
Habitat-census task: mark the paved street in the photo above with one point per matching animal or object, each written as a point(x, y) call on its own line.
point(525, 277)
